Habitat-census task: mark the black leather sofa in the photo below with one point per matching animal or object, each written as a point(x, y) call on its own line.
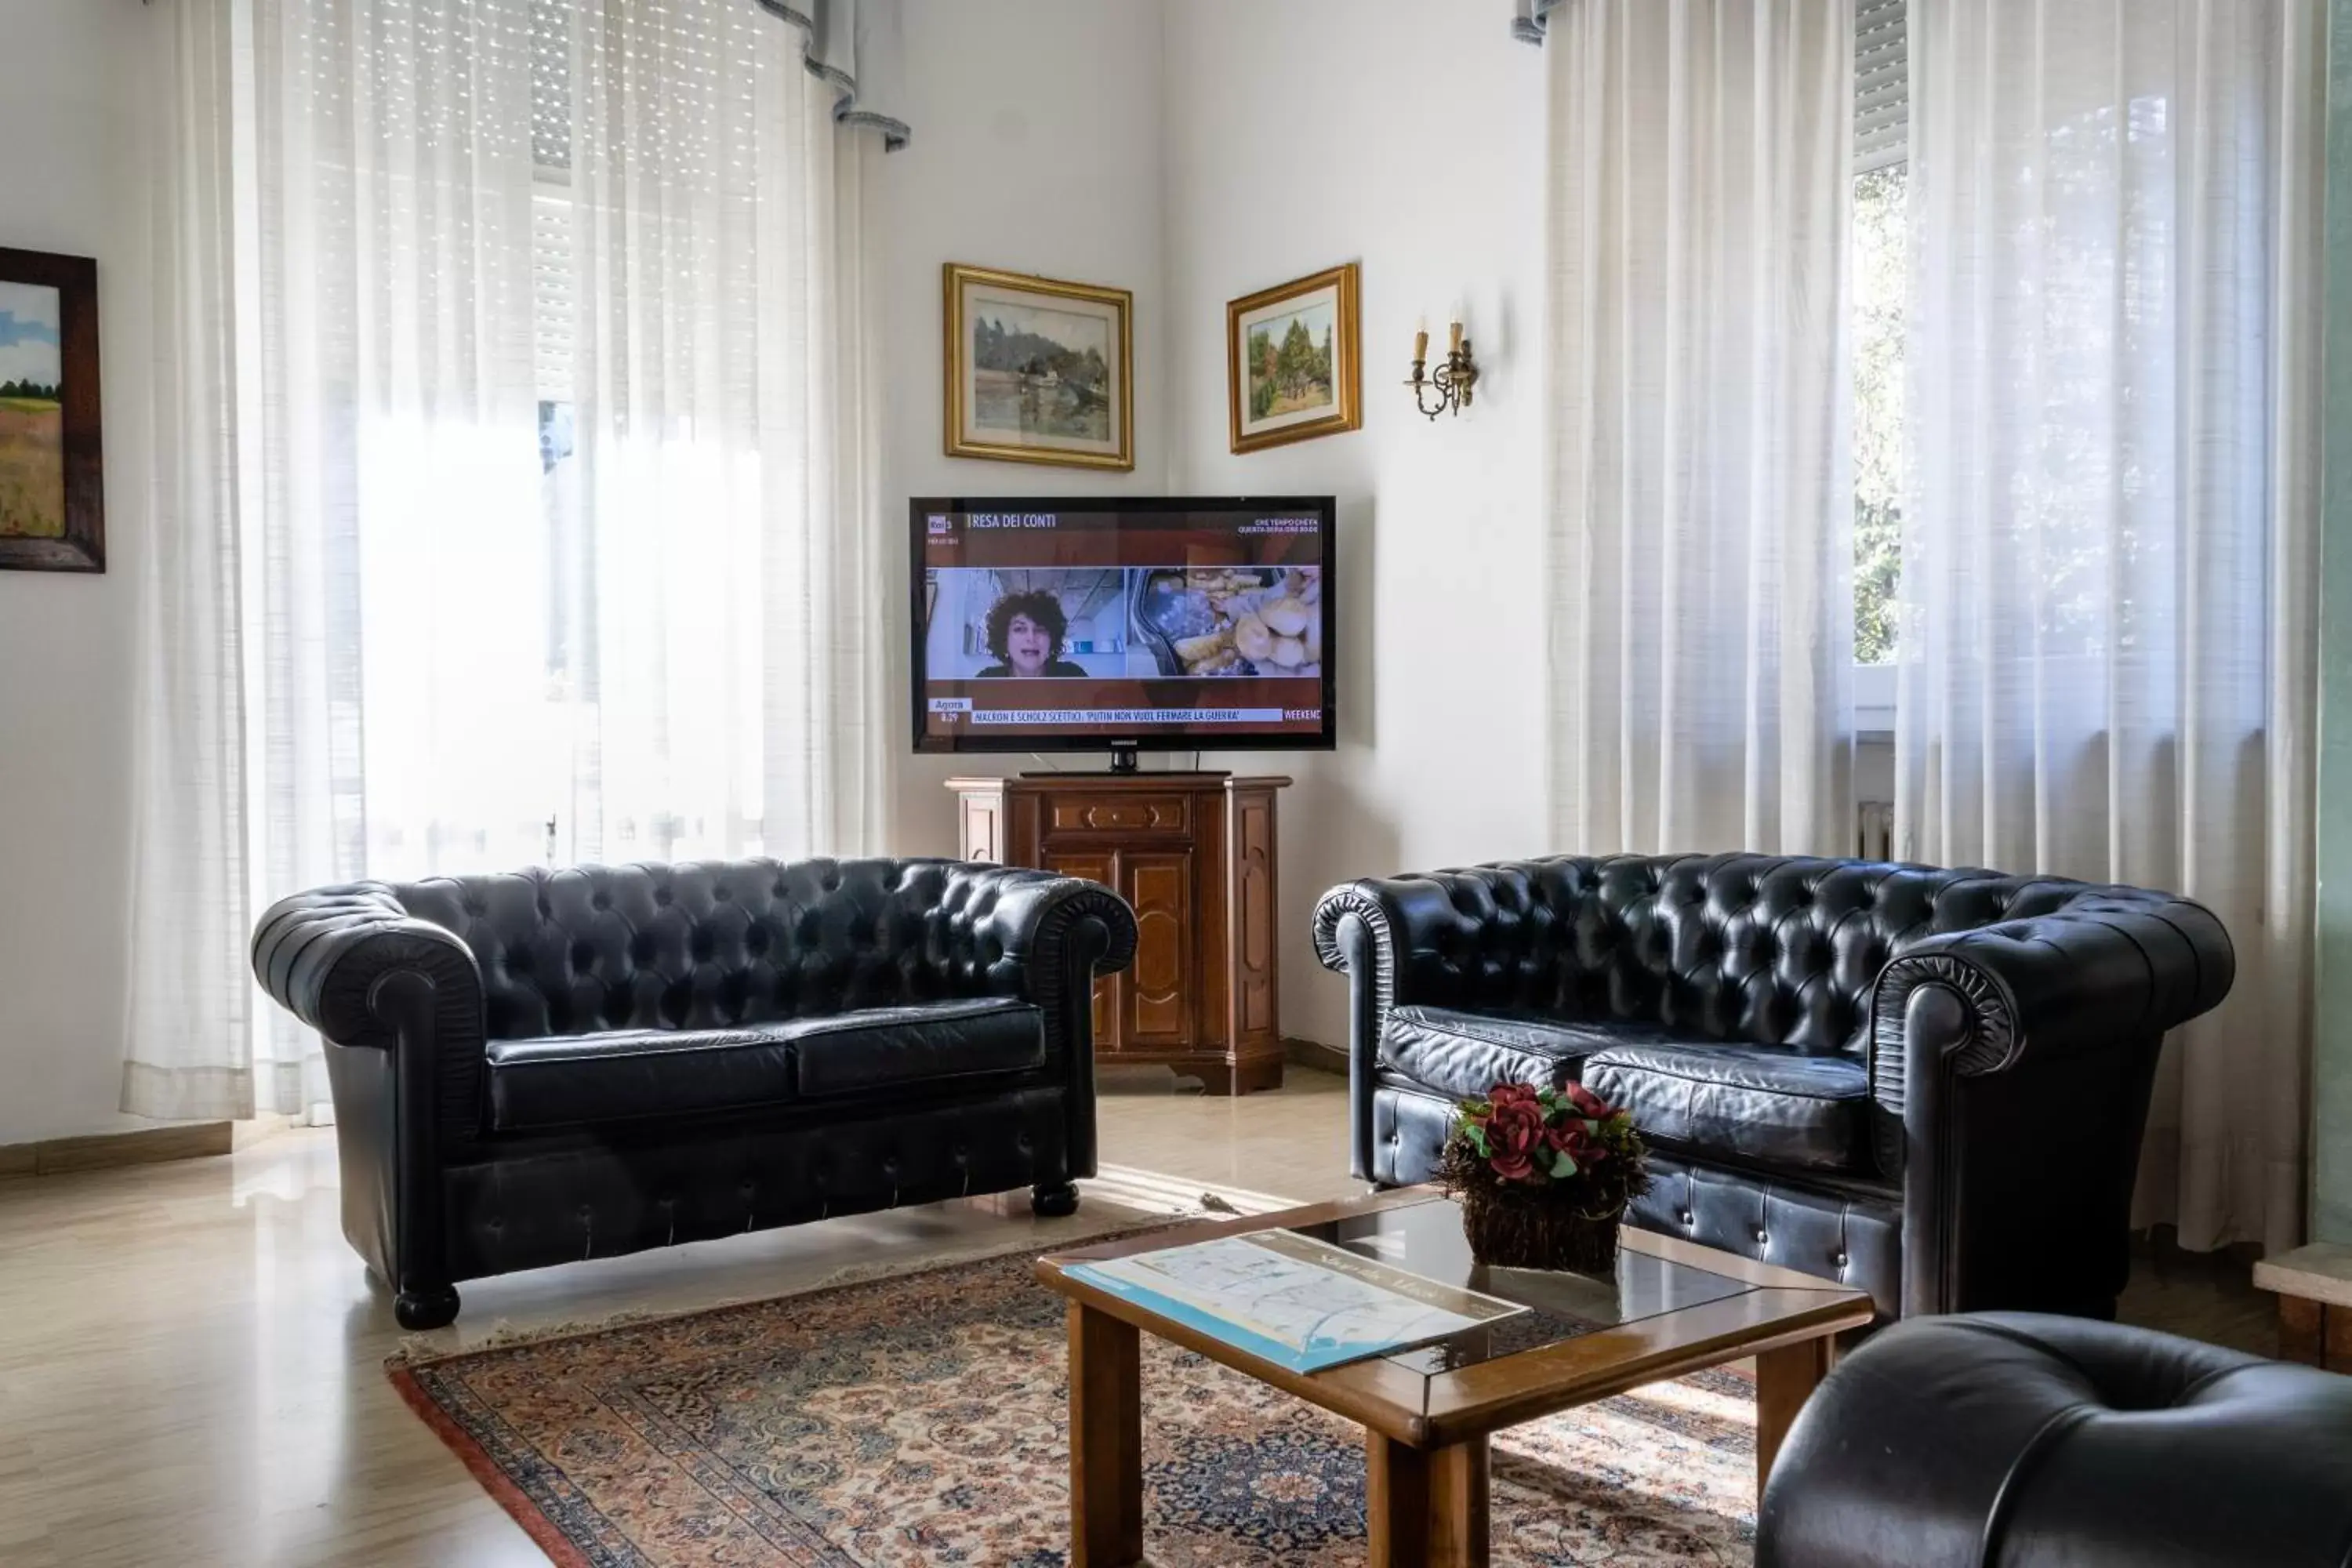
point(545, 1066)
point(2013, 1441)
point(1927, 1084)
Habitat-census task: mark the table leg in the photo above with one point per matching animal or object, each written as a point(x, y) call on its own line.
point(1105, 1441)
point(2303, 1331)
point(1426, 1508)
point(1785, 1379)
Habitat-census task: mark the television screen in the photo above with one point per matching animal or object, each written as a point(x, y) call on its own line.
point(1109, 623)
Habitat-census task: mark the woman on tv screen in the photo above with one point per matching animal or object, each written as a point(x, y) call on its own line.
point(1025, 632)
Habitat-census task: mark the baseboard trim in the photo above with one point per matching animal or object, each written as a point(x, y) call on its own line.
point(104, 1151)
point(1314, 1053)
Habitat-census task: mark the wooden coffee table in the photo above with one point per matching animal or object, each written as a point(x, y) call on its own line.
point(1674, 1308)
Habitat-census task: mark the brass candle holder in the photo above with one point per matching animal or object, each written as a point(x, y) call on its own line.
point(1454, 380)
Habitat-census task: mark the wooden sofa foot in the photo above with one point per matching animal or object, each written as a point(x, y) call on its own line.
point(434, 1307)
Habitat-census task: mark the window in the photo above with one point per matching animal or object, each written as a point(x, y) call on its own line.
point(571, 549)
point(1881, 186)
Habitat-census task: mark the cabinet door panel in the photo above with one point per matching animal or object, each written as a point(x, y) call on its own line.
point(1253, 919)
point(1095, 866)
point(1159, 884)
point(983, 836)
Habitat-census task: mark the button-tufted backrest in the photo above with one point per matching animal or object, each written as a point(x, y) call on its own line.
point(713, 944)
point(1751, 947)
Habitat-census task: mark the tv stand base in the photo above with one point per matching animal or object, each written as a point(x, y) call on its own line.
point(1194, 855)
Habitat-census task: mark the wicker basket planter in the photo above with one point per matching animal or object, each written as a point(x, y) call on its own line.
point(1538, 1229)
point(1544, 1176)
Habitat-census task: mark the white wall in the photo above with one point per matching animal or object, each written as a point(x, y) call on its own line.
point(1037, 148)
point(1143, 144)
point(1406, 137)
point(72, 111)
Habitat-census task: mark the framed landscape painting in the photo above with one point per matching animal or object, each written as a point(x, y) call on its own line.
point(52, 513)
point(1038, 370)
point(1292, 364)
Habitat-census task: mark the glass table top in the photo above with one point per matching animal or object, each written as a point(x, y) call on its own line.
point(1662, 1312)
point(1426, 1239)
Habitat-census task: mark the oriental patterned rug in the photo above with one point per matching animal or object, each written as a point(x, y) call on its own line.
point(920, 1420)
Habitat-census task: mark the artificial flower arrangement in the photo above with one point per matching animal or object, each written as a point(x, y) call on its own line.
point(1543, 1176)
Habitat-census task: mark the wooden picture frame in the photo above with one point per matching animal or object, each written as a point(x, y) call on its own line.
point(52, 496)
point(1294, 361)
point(1038, 370)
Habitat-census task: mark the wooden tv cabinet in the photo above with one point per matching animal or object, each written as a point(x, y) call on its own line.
point(1194, 853)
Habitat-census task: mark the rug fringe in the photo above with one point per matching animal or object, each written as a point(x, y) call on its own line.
point(421, 1350)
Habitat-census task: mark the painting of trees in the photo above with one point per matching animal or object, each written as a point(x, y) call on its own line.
point(1294, 363)
point(1290, 364)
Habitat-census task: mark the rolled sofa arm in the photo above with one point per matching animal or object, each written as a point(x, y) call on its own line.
point(326, 955)
point(2015, 1060)
point(2120, 965)
point(404, 996)
point(1431, 932)
point(1421, 937)
point(1045, 923)
point(1057, 934)
point(1359, 929)
point(1954, 1442)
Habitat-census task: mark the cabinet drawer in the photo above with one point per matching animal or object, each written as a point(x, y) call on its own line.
point(1124, 814)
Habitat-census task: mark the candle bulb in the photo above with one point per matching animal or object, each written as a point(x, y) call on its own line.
point(1452, 376)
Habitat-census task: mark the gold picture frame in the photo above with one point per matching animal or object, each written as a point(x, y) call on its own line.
point(1030, 370)
point(1281, 384)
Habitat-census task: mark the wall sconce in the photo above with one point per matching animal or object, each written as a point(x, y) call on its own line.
point(1453, 380)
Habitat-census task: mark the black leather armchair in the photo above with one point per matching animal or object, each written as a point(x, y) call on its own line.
point(539, 1068)
point(2013, 1441)
point(1928, 1084)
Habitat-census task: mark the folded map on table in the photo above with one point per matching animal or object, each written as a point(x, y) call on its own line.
point(1293, 1301)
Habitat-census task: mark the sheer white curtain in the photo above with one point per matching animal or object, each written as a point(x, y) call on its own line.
point(519, 503)
point(1701, 504)
point(2109, 558)
point(192, 1002)
point(726, 601)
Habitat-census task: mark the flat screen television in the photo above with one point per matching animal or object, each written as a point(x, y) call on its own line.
point(1115, 623)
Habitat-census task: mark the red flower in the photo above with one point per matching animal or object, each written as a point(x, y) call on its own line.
point(1515, 1135)
point(1587, 1103)
point(1504, 1094)
point(1571, 1140)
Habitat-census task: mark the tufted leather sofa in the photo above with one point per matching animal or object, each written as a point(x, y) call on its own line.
point(2012, 1441)
point(1928, 1084)
point(555, 1065)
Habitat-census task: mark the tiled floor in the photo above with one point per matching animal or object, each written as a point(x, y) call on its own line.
point(190, 1360)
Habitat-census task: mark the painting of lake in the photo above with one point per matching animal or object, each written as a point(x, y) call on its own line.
point(1038, 369)
point(1041, 372)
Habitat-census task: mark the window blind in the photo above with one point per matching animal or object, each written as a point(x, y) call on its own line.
point(550, 206)
point(1882, 86)
point(552, 299)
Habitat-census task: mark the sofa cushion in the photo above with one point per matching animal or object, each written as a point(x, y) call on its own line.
point(1464, 1053)
point(560, 1080)
point(1765, 1103)
point(894, 1047)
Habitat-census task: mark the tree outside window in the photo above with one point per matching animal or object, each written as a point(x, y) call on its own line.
point(1880, 287)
